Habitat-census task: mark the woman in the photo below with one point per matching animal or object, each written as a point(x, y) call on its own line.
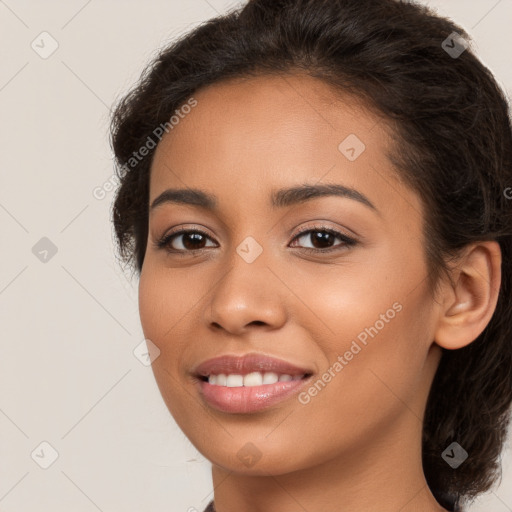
point(315, 195)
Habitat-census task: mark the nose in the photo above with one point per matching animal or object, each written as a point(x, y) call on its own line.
point(248, 295)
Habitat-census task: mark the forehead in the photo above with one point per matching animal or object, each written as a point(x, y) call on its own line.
point(276, 114)
point(262, 133)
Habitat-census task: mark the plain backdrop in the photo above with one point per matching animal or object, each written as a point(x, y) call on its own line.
point(73, 395)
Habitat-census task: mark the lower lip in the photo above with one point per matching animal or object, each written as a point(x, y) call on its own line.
point(249, 399)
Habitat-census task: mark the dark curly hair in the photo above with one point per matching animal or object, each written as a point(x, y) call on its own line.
point(453, 146)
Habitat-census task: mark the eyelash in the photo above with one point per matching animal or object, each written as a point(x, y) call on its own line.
point(164, 242)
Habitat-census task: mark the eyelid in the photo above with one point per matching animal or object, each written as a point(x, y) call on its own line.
point(187, 228)
point(320, 226)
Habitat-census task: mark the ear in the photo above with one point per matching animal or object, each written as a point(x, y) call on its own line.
point(468, 302)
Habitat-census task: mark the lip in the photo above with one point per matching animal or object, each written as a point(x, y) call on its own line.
point(239, 400)
point(242, 365)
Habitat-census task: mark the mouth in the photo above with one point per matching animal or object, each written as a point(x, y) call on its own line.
point(249, 383)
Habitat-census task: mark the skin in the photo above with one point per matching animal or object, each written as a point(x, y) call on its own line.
point(357, 444)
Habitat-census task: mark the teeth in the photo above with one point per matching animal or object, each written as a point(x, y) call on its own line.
point(234, 381)
point(249, 380)
point(270, 378)
point(253, 379)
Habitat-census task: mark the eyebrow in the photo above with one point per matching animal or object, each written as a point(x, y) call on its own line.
point(279, 199)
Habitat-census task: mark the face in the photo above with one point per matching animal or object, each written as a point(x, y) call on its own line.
point(332, 282)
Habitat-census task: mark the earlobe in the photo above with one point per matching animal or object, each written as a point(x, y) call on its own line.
point(469, 301)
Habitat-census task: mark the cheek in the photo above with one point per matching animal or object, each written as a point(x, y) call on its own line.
point(366, 385)
point(163, 306)
point(165, 298)
point(379, 323)
point(160, 308)
point(151, 293)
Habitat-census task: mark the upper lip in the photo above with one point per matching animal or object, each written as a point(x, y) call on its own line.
point(242, 365)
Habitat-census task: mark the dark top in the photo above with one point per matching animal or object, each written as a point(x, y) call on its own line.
point(448, 501)
point(210, 507)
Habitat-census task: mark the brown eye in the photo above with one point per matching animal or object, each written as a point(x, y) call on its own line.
point(184, 241)
point(322, 239)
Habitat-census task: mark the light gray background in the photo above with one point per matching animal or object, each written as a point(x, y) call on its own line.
point(68, 375)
